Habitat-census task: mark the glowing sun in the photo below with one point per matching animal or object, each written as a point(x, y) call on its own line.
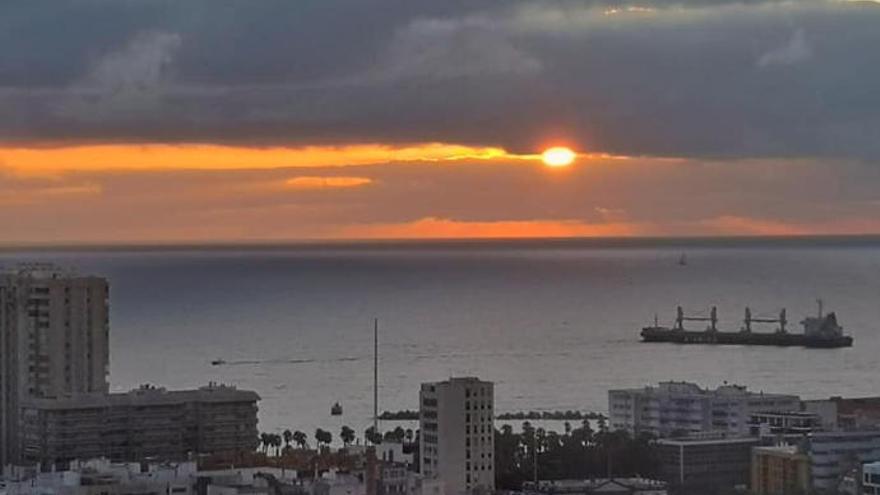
point(558, 157)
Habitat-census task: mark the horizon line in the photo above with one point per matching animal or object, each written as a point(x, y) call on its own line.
point(585, 241)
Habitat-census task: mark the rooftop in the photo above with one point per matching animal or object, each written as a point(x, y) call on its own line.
point(147, 395)
point(693, 389)
point(685, 441)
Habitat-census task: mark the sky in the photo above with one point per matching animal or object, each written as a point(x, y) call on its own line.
point(235, 120)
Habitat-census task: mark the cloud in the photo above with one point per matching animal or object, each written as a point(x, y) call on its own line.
point(52, 160)
point(684, 78)
point(445, 228)
point(638, 196)
point(795, 51)
point(312, 182)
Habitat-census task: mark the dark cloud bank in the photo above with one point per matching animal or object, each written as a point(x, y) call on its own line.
point(690, 78)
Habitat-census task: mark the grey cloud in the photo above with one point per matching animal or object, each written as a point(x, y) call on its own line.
point(700, 78)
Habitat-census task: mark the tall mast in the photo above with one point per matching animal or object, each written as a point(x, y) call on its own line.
point(376, 376)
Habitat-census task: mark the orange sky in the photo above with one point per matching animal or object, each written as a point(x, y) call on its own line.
point(36, 161)
point(204, 193)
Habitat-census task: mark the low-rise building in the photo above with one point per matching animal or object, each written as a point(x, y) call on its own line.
point(102, 477)
point(780, 470)
point(623, 486)
point(682, 408)
point(260, 480)
point(704, 466)
point(146, 423)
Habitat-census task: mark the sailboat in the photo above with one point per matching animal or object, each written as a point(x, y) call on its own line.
point(682, 261)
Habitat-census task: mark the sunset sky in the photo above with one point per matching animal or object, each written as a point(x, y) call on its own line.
point(271, 120)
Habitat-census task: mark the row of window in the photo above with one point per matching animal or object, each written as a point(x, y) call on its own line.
point(480, 392)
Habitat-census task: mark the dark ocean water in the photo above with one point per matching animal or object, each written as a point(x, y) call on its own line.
point(555, 324)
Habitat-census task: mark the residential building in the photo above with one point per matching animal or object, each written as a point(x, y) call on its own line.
point(54, 341)
point(780, 470)
point(102, 477)
point(457, 434)
point(832, 454)
point(683, 408)
point(705, 466)
point(622, 486)
point(148, 422)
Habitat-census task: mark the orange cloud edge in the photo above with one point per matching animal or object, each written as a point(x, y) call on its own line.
point(36, 161)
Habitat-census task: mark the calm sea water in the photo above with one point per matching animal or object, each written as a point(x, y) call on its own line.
point(555, 325)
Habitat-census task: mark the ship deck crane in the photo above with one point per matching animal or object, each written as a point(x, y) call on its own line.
point(712, 319)
point(782, 320)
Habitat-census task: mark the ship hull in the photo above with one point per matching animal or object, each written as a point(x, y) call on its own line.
point(669, 335)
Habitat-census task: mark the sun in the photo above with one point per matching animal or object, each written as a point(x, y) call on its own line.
point(558, 157)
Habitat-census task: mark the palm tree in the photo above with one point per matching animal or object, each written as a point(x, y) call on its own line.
point(288, 436)
point(409, 435)
point(300, 439)
point(319, 437)
point(347, 435)
point(265, 440)
point(372, 436)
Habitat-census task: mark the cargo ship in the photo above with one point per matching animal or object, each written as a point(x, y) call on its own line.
point(820, 331)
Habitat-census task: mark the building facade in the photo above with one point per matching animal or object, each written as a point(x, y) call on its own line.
point(871, 478)
point(791, 423)
point(832, 454)
point(607, 486)
point(705, 466)
point(54, 341)
point(780, 470)
point(682, 408)
point(457, 434)
point(145, 423)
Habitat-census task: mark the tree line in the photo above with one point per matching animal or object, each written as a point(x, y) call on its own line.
point(575, 453)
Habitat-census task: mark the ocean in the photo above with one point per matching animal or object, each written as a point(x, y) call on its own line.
point(553, 323)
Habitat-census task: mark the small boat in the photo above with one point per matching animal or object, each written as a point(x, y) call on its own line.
point(217, 362)
point(682, 260)
point(336, 410)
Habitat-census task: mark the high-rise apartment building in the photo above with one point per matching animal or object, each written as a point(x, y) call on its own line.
point(681, 408)
point(457, 434)
point(53, 341)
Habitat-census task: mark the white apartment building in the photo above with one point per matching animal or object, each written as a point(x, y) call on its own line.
point(457, 434)
point(54, 334)
point(686, 408)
